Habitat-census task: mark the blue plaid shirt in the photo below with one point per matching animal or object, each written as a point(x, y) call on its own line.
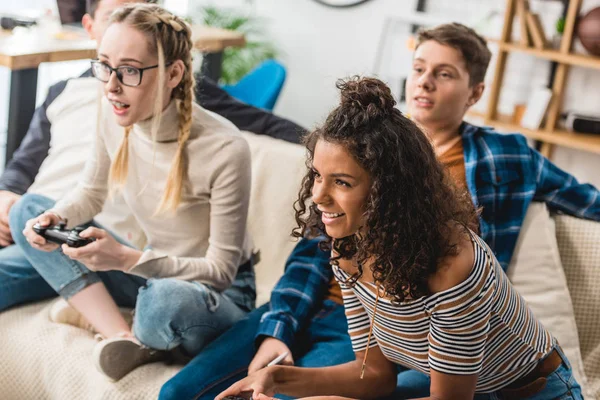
point(503, 174)
point(298, 294)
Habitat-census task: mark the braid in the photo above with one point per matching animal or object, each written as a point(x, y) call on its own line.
point(184, 94)
point(119, 166)
point(171, 20)
point(178, 172)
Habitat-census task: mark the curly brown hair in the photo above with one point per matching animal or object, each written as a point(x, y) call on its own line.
point(413, 209)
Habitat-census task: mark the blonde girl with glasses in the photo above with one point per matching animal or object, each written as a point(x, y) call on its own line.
point(185, 175)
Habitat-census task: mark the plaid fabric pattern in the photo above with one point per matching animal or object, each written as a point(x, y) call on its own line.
point(298, 293)
point(504, 175)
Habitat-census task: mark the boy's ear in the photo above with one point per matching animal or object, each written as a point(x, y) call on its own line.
point(476, 93)
point(88, 23)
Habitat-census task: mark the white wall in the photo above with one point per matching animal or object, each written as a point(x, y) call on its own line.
point(319, 44)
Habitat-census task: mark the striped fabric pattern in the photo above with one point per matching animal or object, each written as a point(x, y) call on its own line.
point(481, 326)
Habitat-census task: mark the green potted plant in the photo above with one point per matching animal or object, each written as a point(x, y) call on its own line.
point(237, 62)
point(558, 34)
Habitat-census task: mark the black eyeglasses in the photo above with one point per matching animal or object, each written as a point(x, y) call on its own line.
point(128, 76)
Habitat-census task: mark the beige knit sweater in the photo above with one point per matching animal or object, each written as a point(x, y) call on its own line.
point(205, 240)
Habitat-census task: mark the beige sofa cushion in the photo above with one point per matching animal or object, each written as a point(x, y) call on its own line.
point(277, 171)
point(537, 273)
point(579, 244)
point(44, 360)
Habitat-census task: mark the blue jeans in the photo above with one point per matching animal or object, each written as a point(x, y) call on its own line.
point(560, 385)
point(168, 312)
point(19, 282)
point(324, 342)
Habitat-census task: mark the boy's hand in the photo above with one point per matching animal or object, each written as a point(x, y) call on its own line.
point(270, 349)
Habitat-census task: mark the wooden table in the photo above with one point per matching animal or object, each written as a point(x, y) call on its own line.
point(211, 42)
point(23, 54)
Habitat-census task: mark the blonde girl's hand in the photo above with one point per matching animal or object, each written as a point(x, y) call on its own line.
point(36, 241)
point(104, 253)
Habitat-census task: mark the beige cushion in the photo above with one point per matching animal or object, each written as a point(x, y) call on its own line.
point(579, 244)
point(44, 360)
point(277, 171)
point(537, 273)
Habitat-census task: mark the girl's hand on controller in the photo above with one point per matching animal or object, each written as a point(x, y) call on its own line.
point(36, 241)
point(103, 254)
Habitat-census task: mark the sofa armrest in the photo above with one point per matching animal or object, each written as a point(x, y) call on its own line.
point(579, 247)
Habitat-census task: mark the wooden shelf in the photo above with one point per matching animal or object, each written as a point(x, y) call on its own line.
point(564, 59)
point(582, 60)
point(573, 140)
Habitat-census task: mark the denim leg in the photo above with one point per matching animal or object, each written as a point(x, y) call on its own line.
point(172, 312)
point(219, 365)
point(560, 384)
point(411, 384)
point(325, 341)
point(122, 287)
point(243, 288)
point(63, 275)
point(19, 281)
point(487, 396)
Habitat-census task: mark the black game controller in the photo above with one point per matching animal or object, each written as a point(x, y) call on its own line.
point(59, 234)
point(234, 398)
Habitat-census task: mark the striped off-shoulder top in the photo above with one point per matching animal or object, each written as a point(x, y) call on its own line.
point(481, 326)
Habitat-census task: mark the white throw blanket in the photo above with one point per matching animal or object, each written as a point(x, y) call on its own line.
point(45, 360)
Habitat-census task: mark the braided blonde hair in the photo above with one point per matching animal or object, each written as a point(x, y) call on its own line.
point(171, 38)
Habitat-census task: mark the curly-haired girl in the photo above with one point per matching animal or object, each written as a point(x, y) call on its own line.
point(420, 288)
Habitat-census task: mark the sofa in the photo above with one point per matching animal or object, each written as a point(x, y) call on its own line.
point(556, 267)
